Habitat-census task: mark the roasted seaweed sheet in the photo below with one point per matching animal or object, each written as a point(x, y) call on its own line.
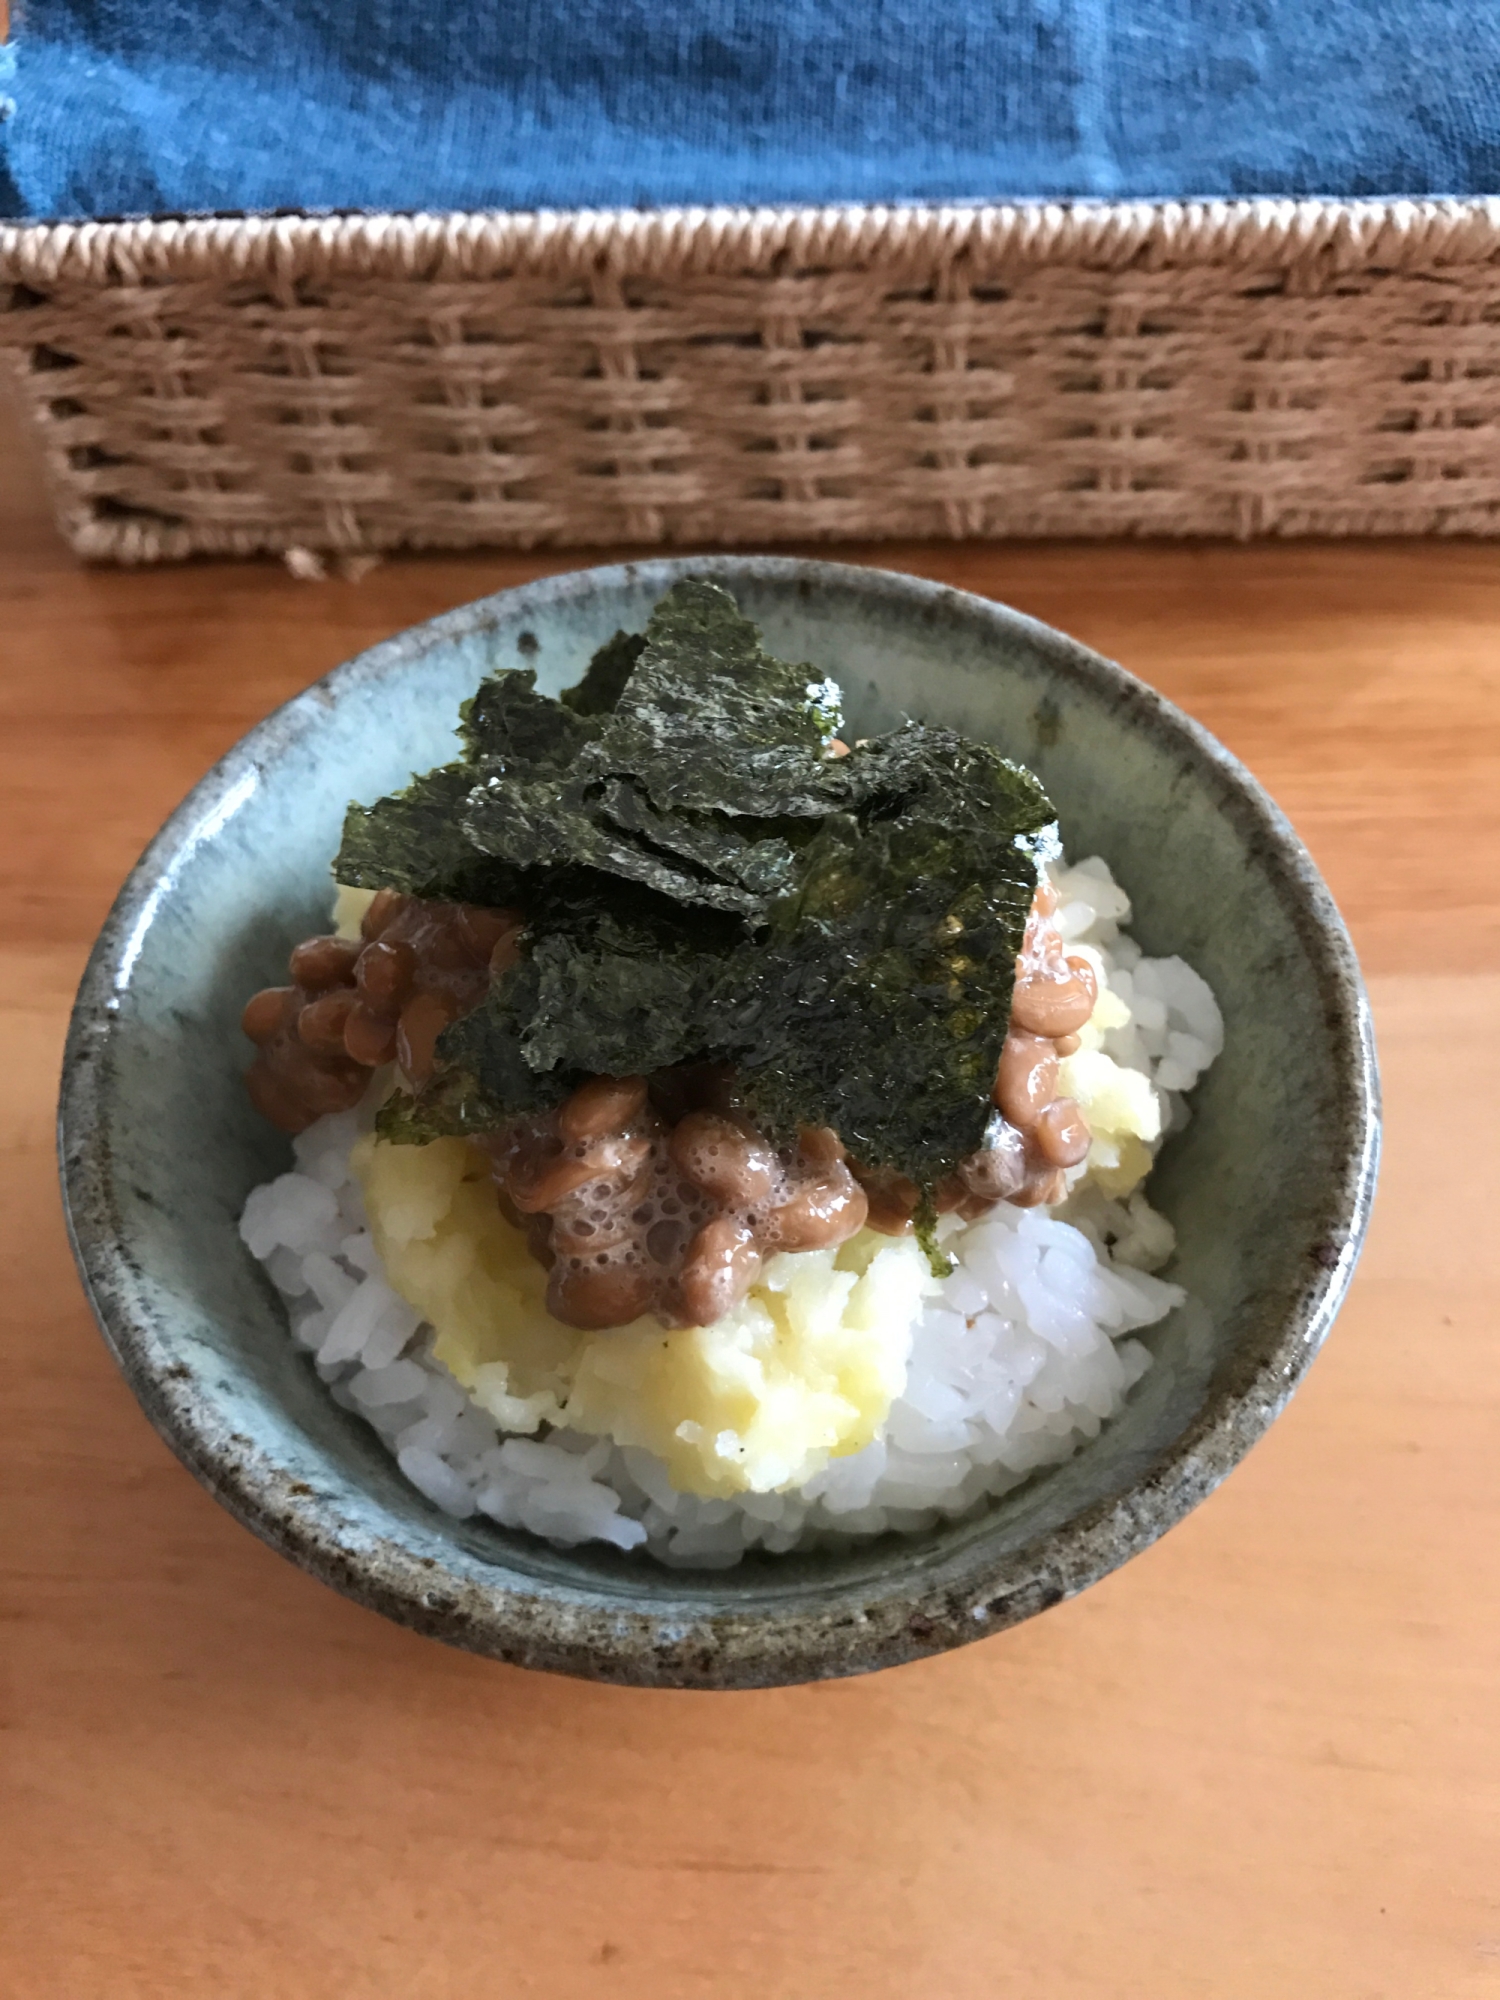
point(703, 879)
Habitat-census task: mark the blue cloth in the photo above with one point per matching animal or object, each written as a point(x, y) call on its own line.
point(128, 107)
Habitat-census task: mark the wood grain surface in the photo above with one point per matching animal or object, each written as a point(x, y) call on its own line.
point(1263, 1760)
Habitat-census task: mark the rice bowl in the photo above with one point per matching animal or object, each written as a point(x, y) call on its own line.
point(1267, 1187)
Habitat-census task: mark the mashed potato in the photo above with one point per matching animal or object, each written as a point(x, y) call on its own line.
point(1122, 1106)
point(349, 906)
point(804, 1370)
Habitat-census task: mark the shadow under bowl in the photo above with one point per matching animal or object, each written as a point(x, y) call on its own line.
point(1268, 1188)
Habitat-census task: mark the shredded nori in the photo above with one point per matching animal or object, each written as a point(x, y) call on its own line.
point(702, 881)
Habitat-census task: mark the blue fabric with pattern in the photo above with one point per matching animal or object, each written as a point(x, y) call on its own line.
point(134, 107)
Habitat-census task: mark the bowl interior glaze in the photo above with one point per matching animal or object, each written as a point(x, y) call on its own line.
point(1268, 1188)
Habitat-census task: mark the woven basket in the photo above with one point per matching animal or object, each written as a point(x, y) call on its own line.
point(732, 376)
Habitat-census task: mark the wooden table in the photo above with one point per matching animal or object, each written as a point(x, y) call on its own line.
point(1262, 1761)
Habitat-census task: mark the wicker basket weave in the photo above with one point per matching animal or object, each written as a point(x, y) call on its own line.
point(731, 376)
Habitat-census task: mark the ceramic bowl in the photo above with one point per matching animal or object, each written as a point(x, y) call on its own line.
point(1269, 1187)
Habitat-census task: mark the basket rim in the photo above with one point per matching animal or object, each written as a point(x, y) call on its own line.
point(1390, 232)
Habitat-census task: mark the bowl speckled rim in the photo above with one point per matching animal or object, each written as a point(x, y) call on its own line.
point(852, 1629)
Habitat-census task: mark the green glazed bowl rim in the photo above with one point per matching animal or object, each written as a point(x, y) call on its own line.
point(660, 1638)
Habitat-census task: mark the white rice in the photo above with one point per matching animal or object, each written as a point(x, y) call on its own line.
point(1021, 1356)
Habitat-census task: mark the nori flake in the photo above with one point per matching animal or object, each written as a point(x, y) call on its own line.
point(708, 720)
point(415, 841)
point(879, 1002)
point(506, 725)
point(607, 673)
